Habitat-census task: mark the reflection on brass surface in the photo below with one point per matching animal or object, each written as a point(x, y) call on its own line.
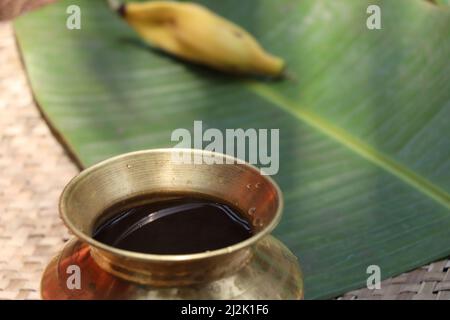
point(257, 268)
point(272, 273)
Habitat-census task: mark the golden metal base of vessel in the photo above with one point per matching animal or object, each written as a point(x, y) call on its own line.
point(271, 273)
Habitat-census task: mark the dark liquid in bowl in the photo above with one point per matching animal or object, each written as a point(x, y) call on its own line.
point(173, 226)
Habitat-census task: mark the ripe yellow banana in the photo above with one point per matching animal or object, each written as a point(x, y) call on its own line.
point(194, 33)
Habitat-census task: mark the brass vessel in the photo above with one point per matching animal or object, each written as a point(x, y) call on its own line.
point(260, 267)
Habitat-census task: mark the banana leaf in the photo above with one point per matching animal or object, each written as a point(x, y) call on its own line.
point(442, 2)
point(363, 119)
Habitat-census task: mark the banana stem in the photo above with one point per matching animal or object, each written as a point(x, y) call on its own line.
point(115, 4)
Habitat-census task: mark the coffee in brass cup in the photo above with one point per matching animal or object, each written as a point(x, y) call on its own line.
point(149, 227)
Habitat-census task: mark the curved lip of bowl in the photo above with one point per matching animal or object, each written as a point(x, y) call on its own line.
point(170, 257)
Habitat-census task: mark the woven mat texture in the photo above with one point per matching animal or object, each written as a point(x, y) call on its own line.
point(12, 8)
point(33, 170)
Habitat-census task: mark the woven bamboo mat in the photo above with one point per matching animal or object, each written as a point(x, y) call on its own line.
point(34, 168)
point(431, 282)
point(12, 8)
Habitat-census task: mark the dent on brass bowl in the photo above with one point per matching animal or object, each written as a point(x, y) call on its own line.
point(260, 267)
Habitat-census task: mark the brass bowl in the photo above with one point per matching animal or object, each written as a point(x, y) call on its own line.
point(257, 268)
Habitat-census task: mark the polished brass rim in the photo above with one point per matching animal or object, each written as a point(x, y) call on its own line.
point(167, 258)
